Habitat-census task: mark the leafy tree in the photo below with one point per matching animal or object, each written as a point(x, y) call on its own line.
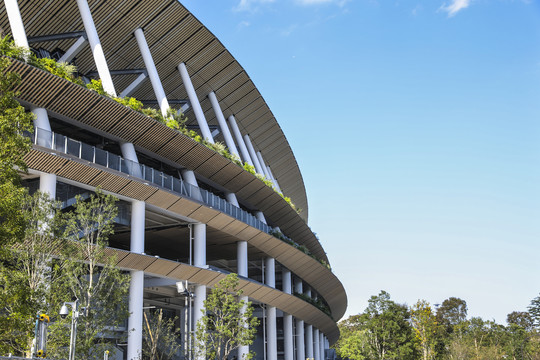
point(534, 311)
point(451, 312)
point(520, 318)
point(159, 336)
point(425, 327)
point(89, 275)
point(228, 322)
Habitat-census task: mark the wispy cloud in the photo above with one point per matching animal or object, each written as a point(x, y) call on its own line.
point(340, 3)
point(250, 5)
point(455, 6)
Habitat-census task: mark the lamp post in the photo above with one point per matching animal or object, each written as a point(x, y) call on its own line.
point(74, 318)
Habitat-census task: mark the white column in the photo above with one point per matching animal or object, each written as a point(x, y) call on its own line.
point(133, 86)
point(298, 286)
point(194, 100)
point(260, 216)
point(74, 50)
point(252, 154)
point(300, 340)
point(223, 124)
point(95, 45)
point(263, 165)
point(273, 178)
point(308, 291)
point(189, 177)
point(16, 23)
point(231, 197)
point(238, 136)
point(136, 287)
point(199, 259)
point(322, 346)
point(316, 345)
point(42, 127)
point(152, 71)
point(128, 152)
point(47, 184)
point(309, 341)
point(287, 318)
point(271, 326)
point(242, 270)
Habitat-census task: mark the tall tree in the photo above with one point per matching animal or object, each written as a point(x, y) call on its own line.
point(160, 336)
point(425, 327)
point(228, 322)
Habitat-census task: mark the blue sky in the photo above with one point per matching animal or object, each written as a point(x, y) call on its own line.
point(416, 125)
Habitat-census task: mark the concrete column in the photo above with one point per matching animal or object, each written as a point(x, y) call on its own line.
point(231, 197)
point(322, 346)
point(263, 165)
point(128, 152)
point(270, 272)
point(239, 140)
point(223, 124)
point(199, 245)
point(298, 286)
point(136, 287)
point(308, 291)
point(189, 177)
point(273, 178)
point(300, 340)
point(152, 71)
point(242, 270)
point(194, 100)
point(316, 345)
point(95, 45)
point(16, 23)
point(271, 327)
point(133, 86)
point(198, 307)
point(252, 154)
point(47, 184)
point(260, 216)
point(309, 341)
point(42, 127)
point(288, 343)
point(74, 50)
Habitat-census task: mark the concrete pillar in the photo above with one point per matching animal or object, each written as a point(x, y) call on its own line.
point(223, 124)
point(136, 287)
point(16, 23)
point(309, 341)
point(47, 184)
point(316, 345)
point(128, 152)
point(273, 178)
point(322, 346)
point(252, 154)
point(242, 258)
point(288, 343)
point(95, 45)
point(308, 291)
point(194, 100)
point(189, 177)
point(270, 272)
point(263, 165)
point(199, 259)
point(231, 197)
point(74, 50)
point(42, 127)
point(298, 286)
point(271, 327)
point(239, 140)
point(260, 216)
point(152, 71)
point(300, 340)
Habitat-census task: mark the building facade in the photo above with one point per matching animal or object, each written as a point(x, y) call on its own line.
point(188, 214)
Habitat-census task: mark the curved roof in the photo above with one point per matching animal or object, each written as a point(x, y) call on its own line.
point(174, 35)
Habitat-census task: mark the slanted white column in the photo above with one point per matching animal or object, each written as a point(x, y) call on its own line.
point(322, 346)
point(136, 286)
point(271, 326)
point(74, 50)
point(239, 140)
point(260, 216)
point(16, 23)
point(252, 154)
point(47, 184)
point(223, 124)
point(316, 345)
point(133, 86)
point(95, 45)
point(128, 152)
point(152, 71)
point(263, 165)
point(189, 177)
point(242, 270)
point(42, 127)
point(300, 340)
point(309, 341)
point(273, 178)
point(194, 100)
point(231, 197)
point(199, 259)
point(288, 343)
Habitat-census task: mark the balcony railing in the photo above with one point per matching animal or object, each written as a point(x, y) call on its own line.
point(78, 149)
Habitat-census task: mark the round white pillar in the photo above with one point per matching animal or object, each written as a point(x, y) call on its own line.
point(252, 154)
point(260, 216)
point(198, 307)
point(223, 124)
point(242, 258)
point(271, 333)
point(300, 340)
point(309, 341)
point(231, 197)
point(152, 71)
point(199, 245)
point(239, 140)
point(42, 119)
point(288, 344)
point(270, 272)
point(16, 23)
point(263, 165)
point(95, 45)
point(47, 184)
point(322, 346)
point(316, 345)
point(195, 104)
point(298, 286)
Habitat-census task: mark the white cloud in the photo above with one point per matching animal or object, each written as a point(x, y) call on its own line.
point(250, 5)
point(340, 3)
point(455, 6)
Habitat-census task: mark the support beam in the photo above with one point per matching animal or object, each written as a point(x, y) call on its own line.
point(263, 165)
point(322, 346)
point(16, 23)
point(260, 216)
point(95, 46)
point(223, 124)
point(152, 71)
point(133, 86)
point(42, 127)
point(316, 345)
point(273, 178)
point(55, 37)
point(195, 104)
point(74, 49)
point(199, 259)
point(231, 197)
point(252, 154)
point(288, 345)
point(128, 152)
point(300, 340)
point(239, 140)
point(242, 270)
point(309, 341)
point(271, 322)
point(189, 177)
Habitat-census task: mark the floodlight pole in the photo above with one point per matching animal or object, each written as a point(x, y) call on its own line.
point(74, 319)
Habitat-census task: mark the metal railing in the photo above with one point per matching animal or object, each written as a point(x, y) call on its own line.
point(78, 149)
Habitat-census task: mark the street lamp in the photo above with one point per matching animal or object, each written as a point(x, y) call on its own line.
point(64, 311)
